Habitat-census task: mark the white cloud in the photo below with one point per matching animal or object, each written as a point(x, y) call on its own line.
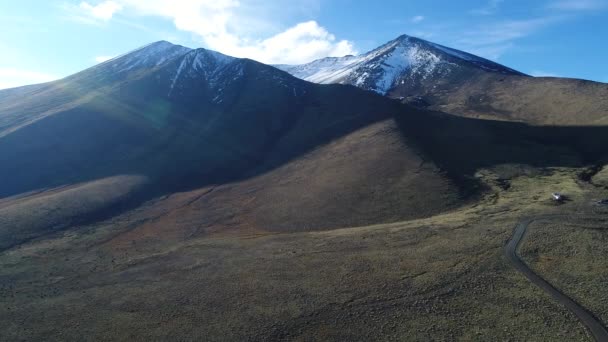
point(90, 14)
point(493, 51)
point(490, 8)
point(541, 73)
point(11, 77)
point(417, 19)
point(506, 31)
point(423, 34)
point(301, 43)
point(232, 27)
point(102, 11)
point(579, 5)
point(101, 59)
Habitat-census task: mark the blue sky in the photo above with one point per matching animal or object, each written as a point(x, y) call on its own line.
point(44, 40)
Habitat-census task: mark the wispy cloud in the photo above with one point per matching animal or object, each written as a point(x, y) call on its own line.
point(541, 73)
point(232, 27)
point(89, 14)
point(423, 34)
point(493, 52)
point(578, 5)
point(417, 19)
point(102, 11)
point(492, 40)
point(493, 36)
point(490, 8)
point(506, 31)
point(11, 77)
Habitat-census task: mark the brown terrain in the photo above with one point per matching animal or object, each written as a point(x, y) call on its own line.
point(534, 100)
point(128, 213)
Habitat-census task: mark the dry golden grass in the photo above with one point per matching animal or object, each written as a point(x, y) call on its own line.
point(33, 216)
point(442, 277)
point(571, 252)
point(540, 101)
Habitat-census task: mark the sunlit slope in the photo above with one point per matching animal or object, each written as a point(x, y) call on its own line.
point(432, 76)
point(539, 101)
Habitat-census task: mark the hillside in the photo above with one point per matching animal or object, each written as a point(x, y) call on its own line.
point(178, 194)
point(410, 166)
point(204, 119)
point(270, 152)
point(535, 100)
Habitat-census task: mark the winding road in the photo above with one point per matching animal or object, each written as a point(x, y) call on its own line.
point(594, 325)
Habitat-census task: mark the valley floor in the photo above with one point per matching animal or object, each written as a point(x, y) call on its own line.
point(439, 278)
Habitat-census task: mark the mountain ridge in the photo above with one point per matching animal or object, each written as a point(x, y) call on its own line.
point(404, 59)
point(201, 119)
point(158, 191)
point(432, 76)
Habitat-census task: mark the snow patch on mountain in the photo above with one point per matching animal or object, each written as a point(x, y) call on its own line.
point(211, 66)
point(405, 59)
point(149, 56)
point(326, 70)
point(377, 70)
point(177, 74)
point(393, 66)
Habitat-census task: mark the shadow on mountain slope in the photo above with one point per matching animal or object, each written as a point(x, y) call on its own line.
point(416, 164)
point(461, 146)
point(281, 154)
point(328, 169)
point(172, 148)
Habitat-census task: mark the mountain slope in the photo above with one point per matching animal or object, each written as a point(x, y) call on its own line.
point(192, 120)
point(203, 119)
point(405, 61)
point(428, 75)
point(534, 100)
point(24, 105)
point(201, 195)
point(129, 119)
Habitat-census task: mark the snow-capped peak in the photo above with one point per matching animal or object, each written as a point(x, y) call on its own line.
point(148, 56)
point(400, 61)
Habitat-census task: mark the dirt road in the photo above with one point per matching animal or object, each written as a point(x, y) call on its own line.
point(594, 325)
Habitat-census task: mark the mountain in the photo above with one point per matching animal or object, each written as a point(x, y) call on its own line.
point(165, 119)
point(546, 101)
point(133, 111)
point(176, 193)
point(25, 105)
point(407, 62)
point(432, 76)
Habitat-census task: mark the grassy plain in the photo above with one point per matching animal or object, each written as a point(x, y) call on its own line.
point(442, 277)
